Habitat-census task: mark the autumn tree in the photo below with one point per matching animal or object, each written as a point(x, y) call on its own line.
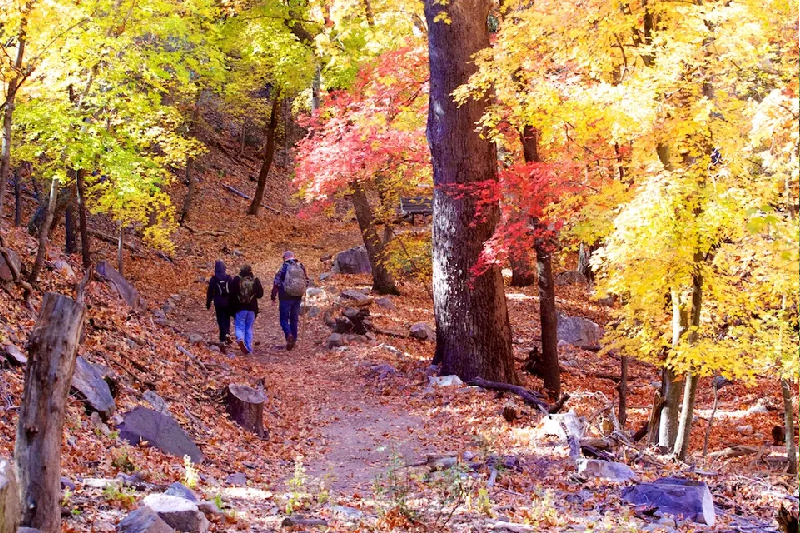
point(472, 327)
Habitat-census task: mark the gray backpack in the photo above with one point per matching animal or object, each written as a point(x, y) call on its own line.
point(294, 280)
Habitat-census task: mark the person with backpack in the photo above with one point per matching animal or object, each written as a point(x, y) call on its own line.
point(246, 289)
point(290, 287)
point(219, 291)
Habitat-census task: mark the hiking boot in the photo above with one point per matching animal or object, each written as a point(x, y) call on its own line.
point(290, 342)
point(243, 348)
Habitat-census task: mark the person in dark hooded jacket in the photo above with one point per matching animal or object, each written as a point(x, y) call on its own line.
point(219, 291)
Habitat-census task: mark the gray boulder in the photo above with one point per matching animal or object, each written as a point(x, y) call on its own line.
point(422, 331)
point(181, 491)
point(352, 261)
point(14, 355)
point(160, 431)
point(143, 520)
point(570, 277)
point(178, 513)
point(681, 497)
point(9, 498)
point(237, 479)
point(335, 340)
point(92, 388)
point(608, 470)
point(64, 268)
point(578, 331)
point(5, 270)
point(355, 298)
point(386, 303)
point(128, 293)
point(312, 311)
point(326, 276)
point(157, 402)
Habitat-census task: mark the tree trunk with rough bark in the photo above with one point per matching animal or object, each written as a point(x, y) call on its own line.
point(44, 232)
point(269, 154)
point(120, 248)
point(48, 375)
point(551, 374)
point(187, 200)
point(473, 334)
point(80, 182)
point(382, 280)
point(18, 199)
point(623, 391)
point(246, 407)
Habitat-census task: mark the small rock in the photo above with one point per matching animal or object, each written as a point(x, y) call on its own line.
point(744, 430)
point(313, 293)
point(758, 408)
point(143, 520)
point(237, 479)
point(445, 381)
point(67, 483)
point(292, 521)
point(200, 279)
point(167, 308)
point(156, 402)
point(386, 303)
point(608, 470)
point(350, 513)
point(64, 268)
point(311, 310)
point(422, 331)
point(356, 298)
point(98, 423)
point(370, 336)
point(335, 341)
point(158, 313)
point(97, 483)
point(442, 463)
point(178, 513)
point(325, 276)
point(181, 491)
point(209, 508)
point(195, 338)
point(14, 355)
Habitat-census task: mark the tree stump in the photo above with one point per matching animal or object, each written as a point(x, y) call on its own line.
point(9, 498)
point(48, 376)
point(246, 407)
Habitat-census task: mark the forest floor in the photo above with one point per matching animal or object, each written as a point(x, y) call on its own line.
point(356, 433)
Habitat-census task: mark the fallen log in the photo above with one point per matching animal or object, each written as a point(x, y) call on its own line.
point(246, 407)
point(239, 193)
point(529, 397)
point(111, 239)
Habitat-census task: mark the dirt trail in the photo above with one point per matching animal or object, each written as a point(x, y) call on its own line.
point(358, 433)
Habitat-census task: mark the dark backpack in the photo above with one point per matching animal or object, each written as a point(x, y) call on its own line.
point(222, 298)
point(247, 290)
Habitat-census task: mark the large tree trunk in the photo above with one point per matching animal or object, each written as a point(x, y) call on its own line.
point(382, 280)
point(269, 154)
point(551, 374)
point(788, 422)
point(80, 181)
point(10, 103)
point(473, 333)
point(48, 374)
point(44, 232)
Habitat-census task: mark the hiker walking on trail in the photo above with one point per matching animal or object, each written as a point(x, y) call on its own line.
point(290, 287)
point(246, 289)
point(219, 291)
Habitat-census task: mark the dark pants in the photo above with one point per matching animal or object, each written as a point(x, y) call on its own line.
point(224, 322)
point(289, 310)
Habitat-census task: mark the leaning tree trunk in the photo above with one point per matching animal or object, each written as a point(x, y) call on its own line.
point(269, 154)
point(44, 232)
point(246, 407)
point(80, 182)
point(382, 280)
point(788, 422)
point(473, 334)
point(48, 374)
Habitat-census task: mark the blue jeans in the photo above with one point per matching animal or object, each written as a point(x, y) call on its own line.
point(244, 328)
point(289, 311)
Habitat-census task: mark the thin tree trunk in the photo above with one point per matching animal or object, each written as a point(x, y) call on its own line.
point(523, 269)
point(120, 247)
point(473, 333)
point(86, 255)
point(623, 391)
point(70, 243)
point(44, 232)
point(11, 97)
point(244, 136)
point(18, 199)
point(711, 419)
point(187, 200)
point(548, 318)
point(48, 374)
point(269, 153)
point(382, 280)
point(315, 88)
point(551, 374)
point(670, 387)
point(788, 423)
point(368, 13)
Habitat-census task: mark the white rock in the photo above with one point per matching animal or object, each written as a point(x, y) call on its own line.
point(445, 381)
point(551, 426)
point(744, 430)
point(608, 470)
point(179, 513)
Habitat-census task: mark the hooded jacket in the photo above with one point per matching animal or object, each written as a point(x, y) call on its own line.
point(220, 287)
